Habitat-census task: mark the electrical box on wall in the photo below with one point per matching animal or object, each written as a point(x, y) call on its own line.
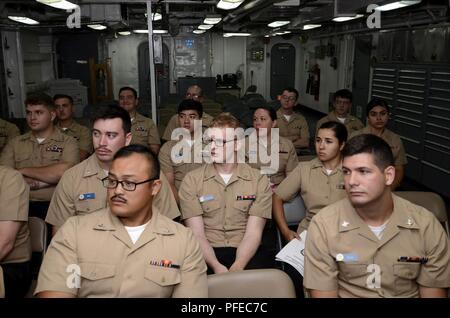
point(257, 54)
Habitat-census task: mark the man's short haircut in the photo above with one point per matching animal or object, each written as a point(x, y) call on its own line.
point(58, 96)
point(343, 93)
point(40, 99)
point(146, 152)
point(225, 120)
point(368, 143)
point(128, 88)
point(376, 101)
point(200, 90)
point(272, 112)
point(190, 104)
point(110, 112)
point(339, 129)
point(291, 90)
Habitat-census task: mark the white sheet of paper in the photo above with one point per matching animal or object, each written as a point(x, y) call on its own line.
point(293, 253)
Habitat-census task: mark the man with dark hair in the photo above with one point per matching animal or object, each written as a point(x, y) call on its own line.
point(7, 132)
point(374, 243)
point(193, 92)
point(176, 166)
point(342, 103)
point(41, 155)
point(292, 125)
point(64, 113)
point(377, 119)
point(80, 190)
point(127, 249)
point(143, 129)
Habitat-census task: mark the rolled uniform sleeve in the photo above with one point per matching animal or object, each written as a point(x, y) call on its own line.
point(292, 158)
point(193, 272)
point(290, 186)
point(153, 135)
point(190, 205)
point(71, 153)
point(436, 272)
point(53, 275)
point(321, 271)
point(7, 155)
point(85, 142)
point(164, 158)
point(62, 205)
point(262, 206)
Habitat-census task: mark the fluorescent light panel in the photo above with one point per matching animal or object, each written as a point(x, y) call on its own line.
point(59, 4)
point(344, 19)
point(154, 31)
point(229, 4)
point(124, 32)
point(311, 26)
point(199, 31)
point(205, 26)
point(227, 35)
point(276, 24)
point(24, 20)
point(397, 5)
point(97, 27)
point(212, 19)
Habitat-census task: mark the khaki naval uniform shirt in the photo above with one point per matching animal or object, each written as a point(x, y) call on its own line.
point(174, 123)
point(287, 158)
point(225, 208)
point(24, 151)
point(80, 191)
point(144, 131)
point(316, 188)
point(351, 122)
point(166, 260)
point(393, 140)
point(343, 254)
point(81, 133)
point(184, 162)
point(14, 194)
point(295, 128)
point(7, 132)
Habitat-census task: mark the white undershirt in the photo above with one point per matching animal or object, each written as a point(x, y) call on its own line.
point(226, 177)
point(136, 231)
point(132, 118)
point(288, 117)
point(40, 140)
point(328, 171)
point(341, 119)
point(378, 230)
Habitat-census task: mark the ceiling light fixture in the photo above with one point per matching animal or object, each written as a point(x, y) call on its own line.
point(205, 26)
point(311, 26)
point(397, 5)
point(227, 35)
point(124, 32)
point(229, 4)
point(276, 24)
point(24, 20)
point(199, 31)
point(97, 27)
point(59, 4)
point(212, 19)
point(347, 18)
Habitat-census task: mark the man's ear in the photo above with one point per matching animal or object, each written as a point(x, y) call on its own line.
point(128, 138)
point(389, 175)
point(156, 187)
point(53, 114)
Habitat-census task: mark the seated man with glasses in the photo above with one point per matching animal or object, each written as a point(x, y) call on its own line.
point(80, 190)
point(293, 126)
point(127, 249)
point(194, 92)
point(226, 203)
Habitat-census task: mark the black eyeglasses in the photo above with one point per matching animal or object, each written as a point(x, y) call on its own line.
point(126, 185)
